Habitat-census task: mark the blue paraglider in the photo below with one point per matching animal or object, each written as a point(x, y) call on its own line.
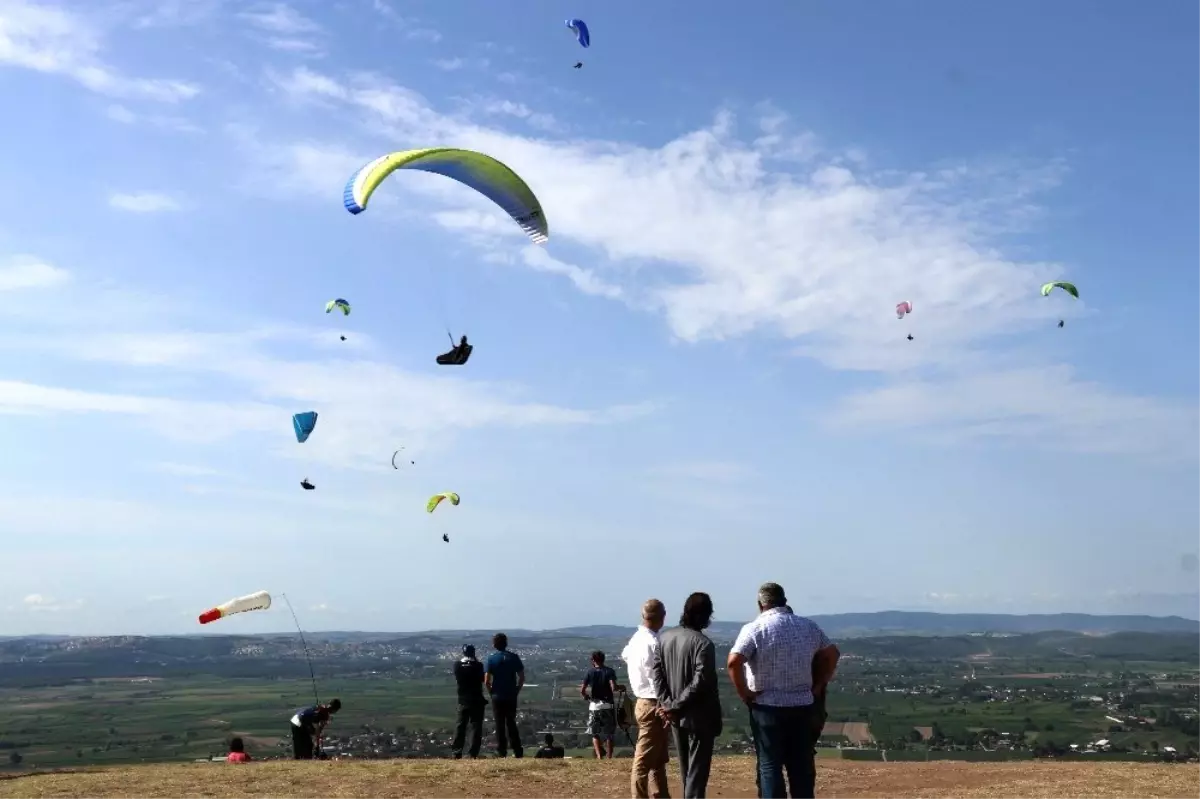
point(581, 31)
point(304, 424)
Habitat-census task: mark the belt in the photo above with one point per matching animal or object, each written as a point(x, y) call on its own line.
point(653, 699)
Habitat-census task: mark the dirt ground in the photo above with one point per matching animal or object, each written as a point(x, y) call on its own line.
point(732, 777)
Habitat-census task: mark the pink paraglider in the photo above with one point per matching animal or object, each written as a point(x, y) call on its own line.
point(903, 308)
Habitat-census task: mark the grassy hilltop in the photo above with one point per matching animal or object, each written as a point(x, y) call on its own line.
point(732, 776)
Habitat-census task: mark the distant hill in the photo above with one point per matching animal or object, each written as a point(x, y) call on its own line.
point(902, 622)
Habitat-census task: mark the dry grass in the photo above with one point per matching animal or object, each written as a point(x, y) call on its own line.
point(732, 776)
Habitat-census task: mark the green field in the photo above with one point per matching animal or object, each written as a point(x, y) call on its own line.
point(116, 720)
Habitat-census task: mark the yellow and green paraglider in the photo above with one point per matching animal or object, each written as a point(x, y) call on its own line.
point(1065, 286)
point(340, 305)
point(481, 172)
point(436, 500)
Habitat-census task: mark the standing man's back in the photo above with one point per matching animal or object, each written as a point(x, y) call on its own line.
point(685, 679)
point(468, 675)
point(505, 676)
point(780, 664)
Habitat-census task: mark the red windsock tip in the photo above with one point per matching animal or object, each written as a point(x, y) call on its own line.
point(210, 615)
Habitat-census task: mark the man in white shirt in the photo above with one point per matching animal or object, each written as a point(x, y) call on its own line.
point(651, 754)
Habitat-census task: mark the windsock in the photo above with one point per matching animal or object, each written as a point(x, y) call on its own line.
point(258, 601)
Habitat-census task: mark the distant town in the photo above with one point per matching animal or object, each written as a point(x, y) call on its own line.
point(970, 696)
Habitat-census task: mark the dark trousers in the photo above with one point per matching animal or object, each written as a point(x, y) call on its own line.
point(695, 761)
point(302, 743)
point(784, 740)
point(473, 715)
point(504, 711)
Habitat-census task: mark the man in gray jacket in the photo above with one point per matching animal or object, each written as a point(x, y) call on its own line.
point(685, 679)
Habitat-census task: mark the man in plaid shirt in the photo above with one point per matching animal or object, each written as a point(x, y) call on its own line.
point(780, 666)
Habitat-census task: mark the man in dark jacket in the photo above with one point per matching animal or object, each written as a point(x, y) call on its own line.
point(685, 679)
point(468, 673)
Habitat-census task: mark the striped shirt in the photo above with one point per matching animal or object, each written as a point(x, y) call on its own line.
point(779, 647)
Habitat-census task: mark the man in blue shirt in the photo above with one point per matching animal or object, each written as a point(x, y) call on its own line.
point(505, 676)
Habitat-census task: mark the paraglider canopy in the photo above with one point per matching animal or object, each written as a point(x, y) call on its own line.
point(436, 500)
point(304, 424)
point(397, 452)
point(903, 308)
point(481, 172)
point(1062, 284)
point(340, 304)
point(580, 29)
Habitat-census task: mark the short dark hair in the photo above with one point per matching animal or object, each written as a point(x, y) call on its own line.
point(697, 611)
point(549, 739)
point(500, 641)
point(335, 705)
point(598, 657)
point(236, 745)
point(771, 595)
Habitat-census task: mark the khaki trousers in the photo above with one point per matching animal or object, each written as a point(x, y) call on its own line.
point(651, 753)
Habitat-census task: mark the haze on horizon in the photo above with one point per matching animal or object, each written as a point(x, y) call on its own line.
point(699, 383)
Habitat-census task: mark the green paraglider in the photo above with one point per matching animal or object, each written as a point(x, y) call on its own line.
point(1062, 284)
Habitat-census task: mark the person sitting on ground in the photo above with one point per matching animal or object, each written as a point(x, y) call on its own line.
point(237, 752)
point(598, 688)
point(549, 749)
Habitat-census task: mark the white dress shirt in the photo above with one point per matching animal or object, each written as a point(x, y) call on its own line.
point(639, 656)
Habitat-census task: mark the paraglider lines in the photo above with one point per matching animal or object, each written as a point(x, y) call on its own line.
point(312, 675)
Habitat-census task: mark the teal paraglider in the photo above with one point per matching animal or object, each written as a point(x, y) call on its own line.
point(304, 424)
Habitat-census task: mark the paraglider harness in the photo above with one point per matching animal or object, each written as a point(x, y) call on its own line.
point(458, 354)
point(625, 715)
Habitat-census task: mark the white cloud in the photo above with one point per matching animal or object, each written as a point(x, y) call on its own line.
point(41, 603)
point(27, 272)
point(1042, 404)
point(252, 390)
point(298, 46)
point(286, 29)
point(122, 114)
point(55, 41)
point(449, 64)
point(521, 111)
point(411, 28)
point(143, 202)
point(775, 234)
point(177, 13)
point(185, 469)
point(280, 18)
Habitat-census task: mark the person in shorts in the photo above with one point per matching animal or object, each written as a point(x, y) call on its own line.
point(599, 689)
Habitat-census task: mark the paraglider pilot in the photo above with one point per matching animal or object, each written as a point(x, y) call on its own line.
point(307, 725)
point(910, 338)
point(307, 486)
point(1060, 322)
point(446, 537)
point(578, 65)
point(458, 354)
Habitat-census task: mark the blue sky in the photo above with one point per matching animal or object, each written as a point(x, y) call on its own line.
point(698, 384)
